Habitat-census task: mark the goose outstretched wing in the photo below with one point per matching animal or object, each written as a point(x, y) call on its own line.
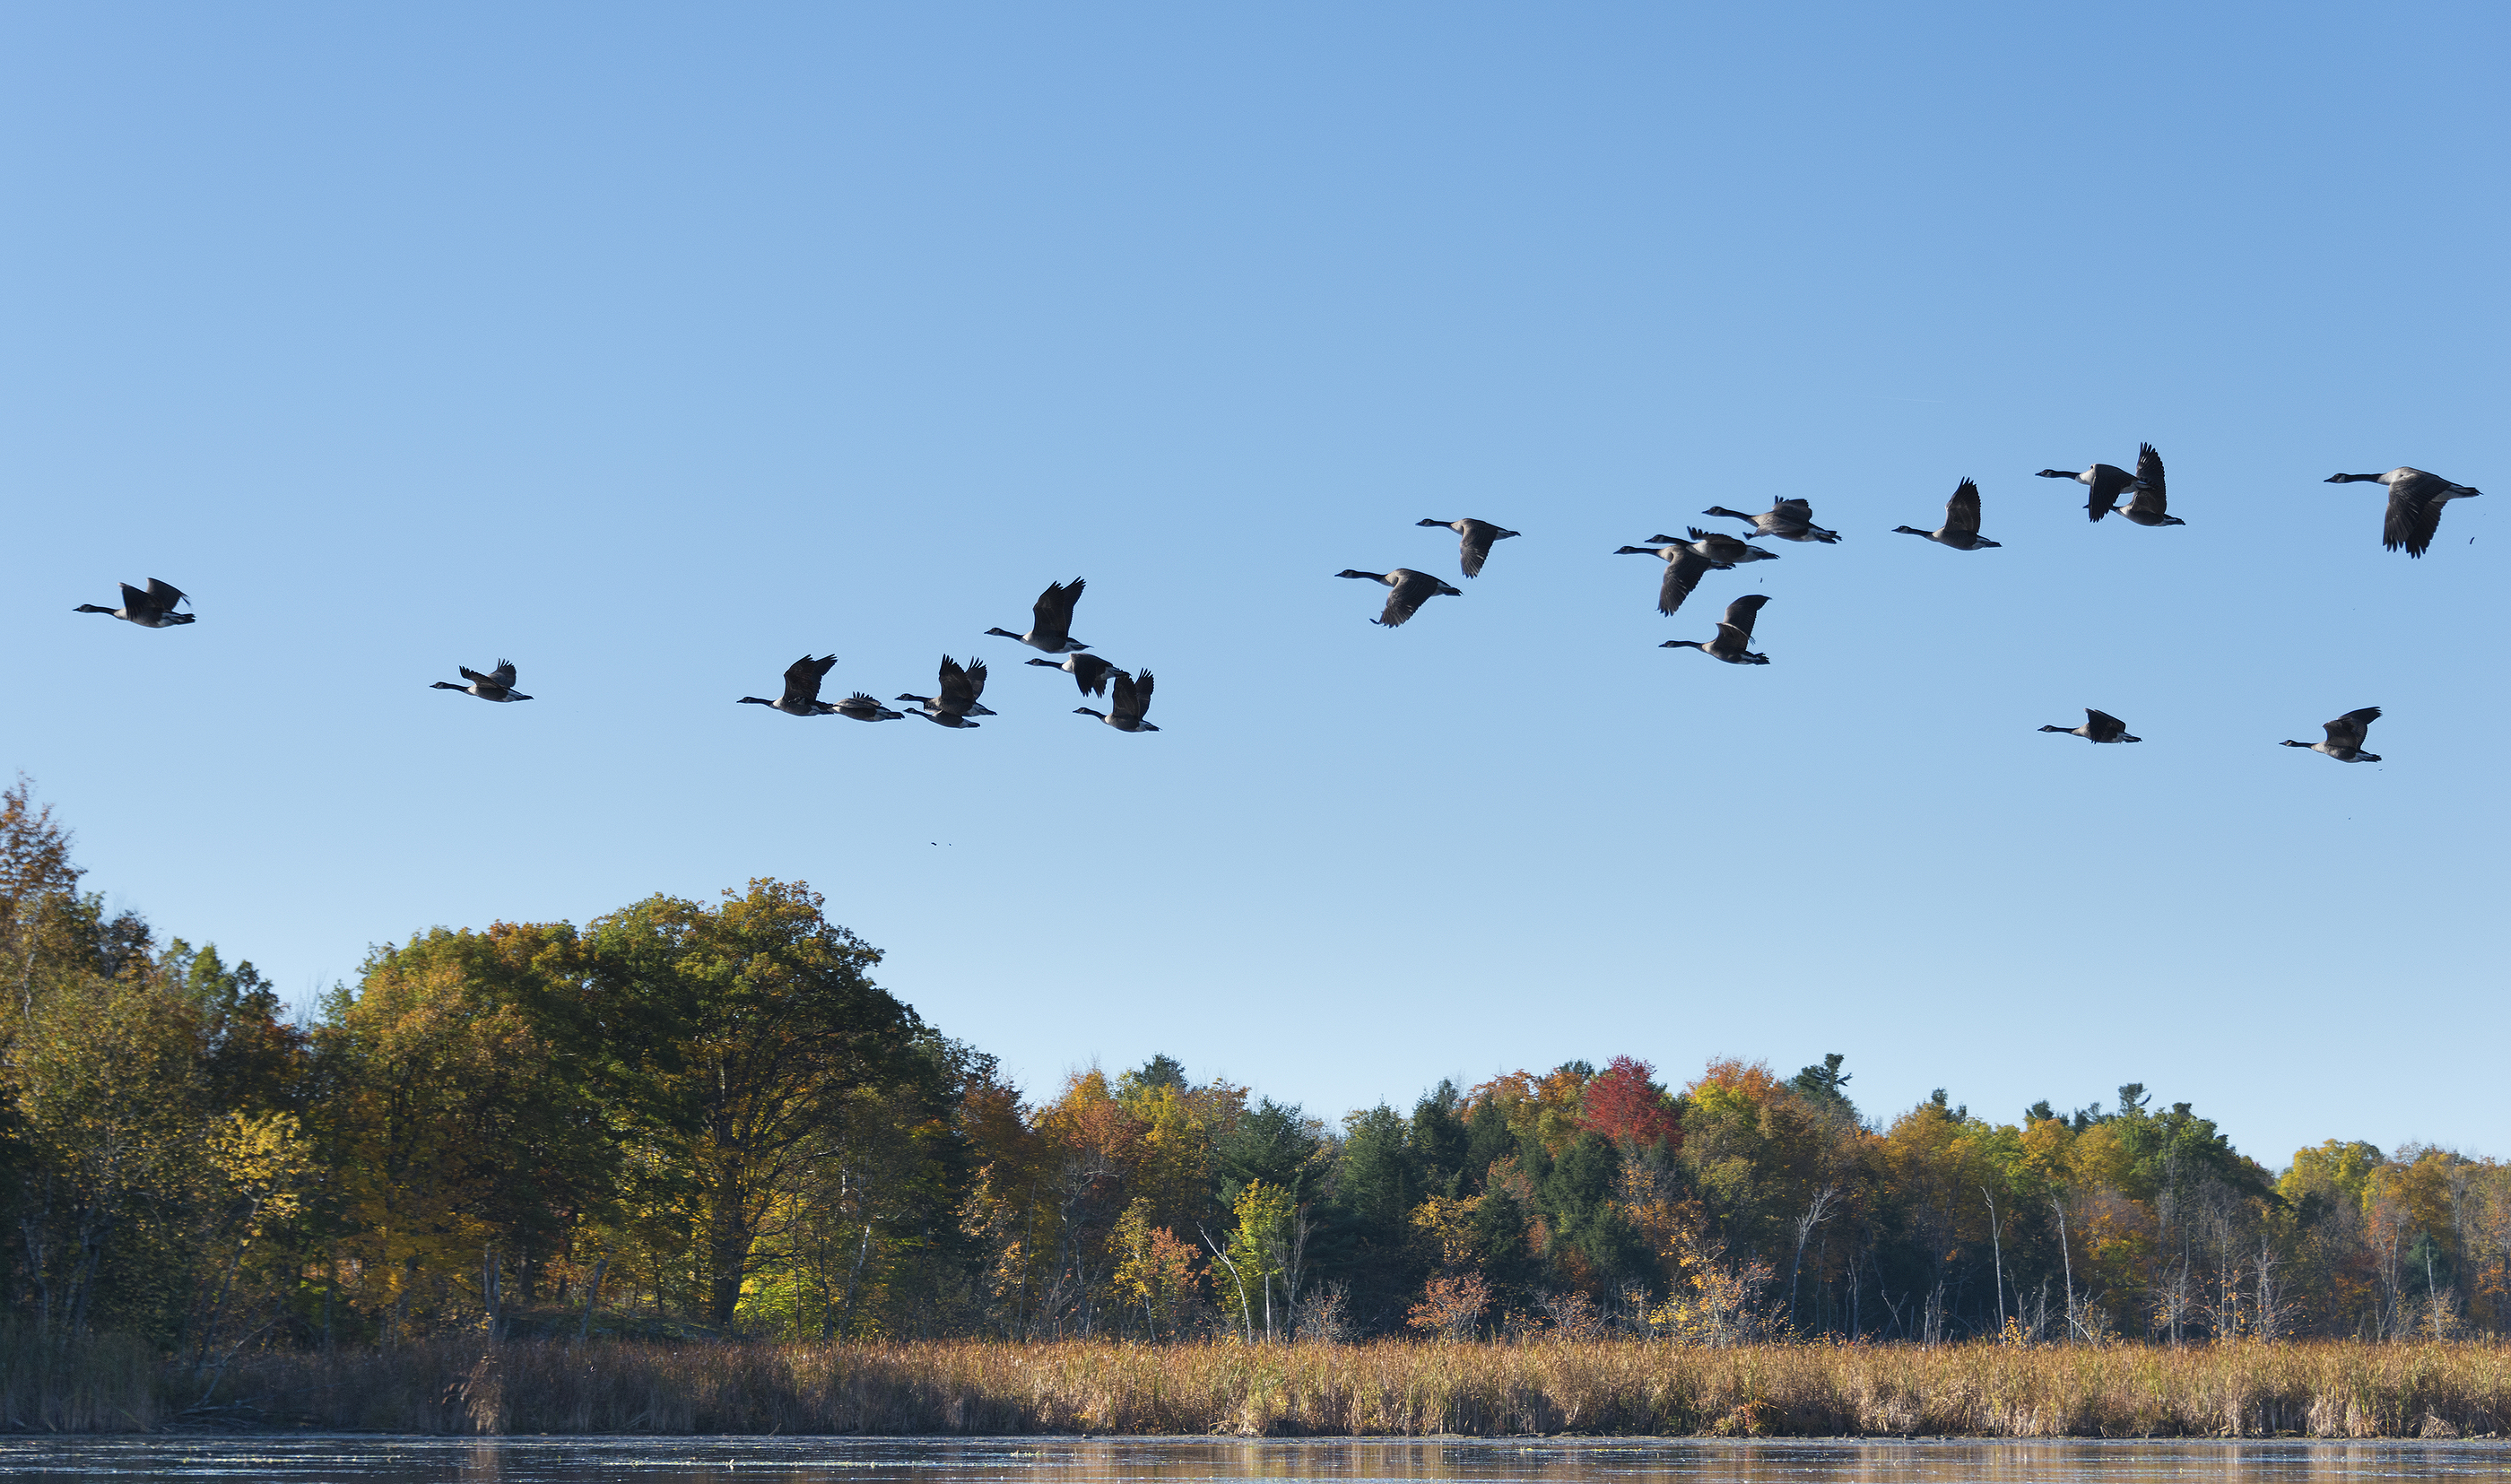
point(961, 685)
point(1961, 512)
point(1741, 613)
point(1051, 616)
point(1133, 695)
point(802, 678)
point(1682, 573)
point(1406, 595)
point(2347, 731)
point(2414, 515)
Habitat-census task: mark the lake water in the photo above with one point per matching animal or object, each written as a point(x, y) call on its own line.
point(372, 1460)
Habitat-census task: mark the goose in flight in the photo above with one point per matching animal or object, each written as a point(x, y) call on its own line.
point(2416, 499)
point(1412, 590)
point(862, 708)
point(496, 685)
point(2150, 506)
point(1475, 549)
point(153, 608)
point(960, 688)
point(1684, 567)
point(1050, 619)
point(1720, 547)
point(2345, 737)
point(1734, 640)
point(1787, 520)
point(1088, 671)
point(2098, 727)
point(2107, 481)
point(1133, 698)
point(1960, 530)
point(801, 696)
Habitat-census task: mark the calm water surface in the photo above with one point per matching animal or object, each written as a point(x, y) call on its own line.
point(369, 1459)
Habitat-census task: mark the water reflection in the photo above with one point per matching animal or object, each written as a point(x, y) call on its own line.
point(1133, 1460)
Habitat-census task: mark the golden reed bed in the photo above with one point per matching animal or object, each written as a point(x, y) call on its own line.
point(2314, 1389)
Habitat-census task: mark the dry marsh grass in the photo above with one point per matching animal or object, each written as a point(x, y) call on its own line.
point(1393, 1389)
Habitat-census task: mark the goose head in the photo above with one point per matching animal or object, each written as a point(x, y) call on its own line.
point(1083, 710)
point(2060, 474)
point(1684, 644)
point(1375, 577)
point(1002, 633)
point(1443, 524)
point(1049, 663)
point(2354, 480)
point(744, 701)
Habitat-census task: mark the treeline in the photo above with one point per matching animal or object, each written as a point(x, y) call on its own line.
point(685, 1118)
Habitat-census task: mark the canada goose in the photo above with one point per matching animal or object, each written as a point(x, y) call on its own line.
point(1476, 547)
point(496, 685)
point(151, 609)
point(2106, 482)
point(862, 708)
point(2151, 506)
point(1089, 671)
point(1412, 590)
point(1133, 698)
point(2416, 499)
point(1050, 619)
point(801, 696)
point(2345, 737)
point(960, 689)
point(1960, 530)
point(1684, 567)
point(1734, 634)
point(2098, 727)
point(1785, 521)
point(1719, 546)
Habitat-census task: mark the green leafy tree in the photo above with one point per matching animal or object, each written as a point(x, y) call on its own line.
point(734, 1038)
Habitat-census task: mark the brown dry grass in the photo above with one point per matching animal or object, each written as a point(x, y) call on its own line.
point(2314, 1389)
point(112, 1384)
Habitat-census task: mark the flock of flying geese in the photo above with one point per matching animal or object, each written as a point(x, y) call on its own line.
point(1050, 630)
point(2416, 501)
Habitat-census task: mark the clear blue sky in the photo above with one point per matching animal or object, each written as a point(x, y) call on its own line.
point(653, 347)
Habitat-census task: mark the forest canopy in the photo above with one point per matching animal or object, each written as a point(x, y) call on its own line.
point(690, 1117)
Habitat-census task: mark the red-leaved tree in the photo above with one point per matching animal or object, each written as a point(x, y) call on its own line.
point(1624, 1103)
